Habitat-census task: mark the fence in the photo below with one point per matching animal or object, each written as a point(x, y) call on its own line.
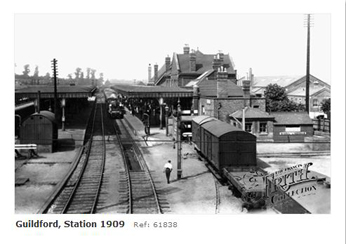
point(321, 125)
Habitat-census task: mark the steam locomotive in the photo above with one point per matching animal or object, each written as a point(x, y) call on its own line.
point(115, 107)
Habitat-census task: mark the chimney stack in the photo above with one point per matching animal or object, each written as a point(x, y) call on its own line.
point(149, 74)
point(246, 90)
point(156, 67)
point(192, 60)
point(216, 62)
point(251, 77)
point(221, 73)
point(221, 55)
point(167, 62)
point(186, 49)
point(222, 83)
point(195, 99)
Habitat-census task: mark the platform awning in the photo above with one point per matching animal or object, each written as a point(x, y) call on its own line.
point(62, 91)
point(132, 91)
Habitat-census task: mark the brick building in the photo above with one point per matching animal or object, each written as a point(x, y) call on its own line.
point(292, 127)
point(221, 97)
point(213, 80)
point(257, 122)
point(189, 66)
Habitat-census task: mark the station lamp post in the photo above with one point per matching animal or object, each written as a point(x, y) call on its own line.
point(63, 104)
point(161, 115)
point(166, 109)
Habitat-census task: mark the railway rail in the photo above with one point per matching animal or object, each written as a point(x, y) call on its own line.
point(84, 190)
point(79, 192)
point(140, 193)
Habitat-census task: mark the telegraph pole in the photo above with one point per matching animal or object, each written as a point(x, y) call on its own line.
point(179, 169)
point(55, 73)
point(307, 89)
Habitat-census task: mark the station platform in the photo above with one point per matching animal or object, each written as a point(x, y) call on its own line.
point(196, 192)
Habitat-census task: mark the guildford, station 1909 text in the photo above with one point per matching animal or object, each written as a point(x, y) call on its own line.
point(69, 224)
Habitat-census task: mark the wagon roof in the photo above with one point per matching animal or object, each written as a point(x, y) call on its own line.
point(47, 114)
point(219, 128)
point(202, 119)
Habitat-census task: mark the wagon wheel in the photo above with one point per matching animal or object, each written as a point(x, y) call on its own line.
point(250, 197)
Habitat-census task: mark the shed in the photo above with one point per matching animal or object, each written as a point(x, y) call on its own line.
point(292, 126)
point(41, 129)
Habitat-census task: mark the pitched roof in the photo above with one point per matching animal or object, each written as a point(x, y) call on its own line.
point(301, 91)
point(162, 72)
point(263, 81)
point(252, 113)
point(204, 62)
point(312, 80)
point(284, 81)
point(208, 88)
point(291, 118)
point(200, 78)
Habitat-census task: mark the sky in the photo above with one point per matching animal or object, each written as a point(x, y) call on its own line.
point(121, 46)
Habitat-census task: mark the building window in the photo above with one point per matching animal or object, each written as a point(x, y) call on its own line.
point(208, 101)
point(248, 127)
point(255, 106)
point(263, 127)
point(315, 102)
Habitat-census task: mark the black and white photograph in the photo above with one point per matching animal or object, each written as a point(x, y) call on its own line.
point(155, 120)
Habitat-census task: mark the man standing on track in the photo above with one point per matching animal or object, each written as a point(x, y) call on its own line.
point(168, 169)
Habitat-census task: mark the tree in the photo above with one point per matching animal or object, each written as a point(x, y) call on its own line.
point(26, 70)
point(93, 71)
point(275, 92)
point(36, 72)
point(277, 100)
point(325, 106)
point(100, 80)
point(88, 73)
point(77, 73)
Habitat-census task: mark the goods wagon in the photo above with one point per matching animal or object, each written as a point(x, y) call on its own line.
point(222, 144)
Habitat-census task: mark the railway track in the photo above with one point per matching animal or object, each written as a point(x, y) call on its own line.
point(80, 190)
point(90, 188)
point(139, 192)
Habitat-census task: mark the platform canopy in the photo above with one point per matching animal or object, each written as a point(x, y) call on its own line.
point(133, 91)
point(62, 91)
